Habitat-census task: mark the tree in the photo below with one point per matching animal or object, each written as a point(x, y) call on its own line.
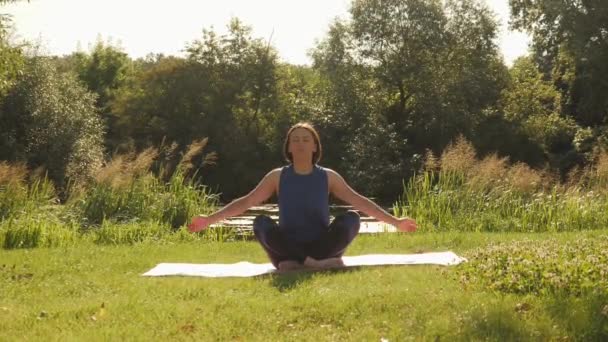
point(224, 90)
point(529, 94)
point(104, 71)
point(241, 102)
point(407, 75)
point(570, 41)
point(11, 57)
point(534, 104)
point(49, 119)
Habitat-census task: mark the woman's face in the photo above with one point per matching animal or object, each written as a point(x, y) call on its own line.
point(301, 143)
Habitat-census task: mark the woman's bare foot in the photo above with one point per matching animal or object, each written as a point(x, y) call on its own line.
point(324, 263)
point(289, 265)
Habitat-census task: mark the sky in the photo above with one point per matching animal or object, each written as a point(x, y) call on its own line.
point(141, 27)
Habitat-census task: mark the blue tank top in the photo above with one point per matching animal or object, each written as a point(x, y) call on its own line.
point(303, 203)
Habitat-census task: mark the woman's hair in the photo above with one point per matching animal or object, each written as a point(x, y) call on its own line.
point(307, 126)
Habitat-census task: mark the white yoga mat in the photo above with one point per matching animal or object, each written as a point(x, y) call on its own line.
point(247, 269)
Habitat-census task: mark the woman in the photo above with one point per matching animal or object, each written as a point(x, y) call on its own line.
point(304, 237)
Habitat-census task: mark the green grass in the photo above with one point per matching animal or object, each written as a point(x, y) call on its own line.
point(17, 198)
point(145, 198)
point(447, 201)
point(57, 294)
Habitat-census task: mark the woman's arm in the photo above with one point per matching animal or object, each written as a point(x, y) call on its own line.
point(261, 193)
point(339, 188)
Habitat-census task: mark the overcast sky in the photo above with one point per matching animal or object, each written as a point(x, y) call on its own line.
point(153, 26)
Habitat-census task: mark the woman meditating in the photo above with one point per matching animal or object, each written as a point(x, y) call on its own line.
point(304, 237)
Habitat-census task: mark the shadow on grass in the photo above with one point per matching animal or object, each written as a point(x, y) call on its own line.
point(585, 317)
point(494, 324)
point(566, 317)
point(288, 281)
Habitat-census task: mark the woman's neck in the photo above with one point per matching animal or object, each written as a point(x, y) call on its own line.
point(302, 167)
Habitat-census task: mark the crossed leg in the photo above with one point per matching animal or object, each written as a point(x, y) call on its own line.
point(325, 252)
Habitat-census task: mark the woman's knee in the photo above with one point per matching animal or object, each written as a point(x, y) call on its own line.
point(262, 224)
point(353, 218)
point(350, 220)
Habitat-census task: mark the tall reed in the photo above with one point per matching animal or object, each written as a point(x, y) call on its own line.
point(125, 191)
point(18, 196)
point(467, 194)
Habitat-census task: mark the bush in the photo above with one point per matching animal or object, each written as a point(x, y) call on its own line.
point(538, 267)
point(17, 197)
point(50, 119)
point(125, 191)
point(36, 231)
point(489, 195)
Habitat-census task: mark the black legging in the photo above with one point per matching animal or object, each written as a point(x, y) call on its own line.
point(332, 243)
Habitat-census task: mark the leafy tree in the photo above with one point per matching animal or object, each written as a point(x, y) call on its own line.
point(570, 40)
point(529, 93)
point(346, 89)
point(49, 119)
point(104, 71)
point(11, 57)
point(162, 102)
point(226, 90)
point(438, 64)
point(415, 73)
point(533, 103)
point(241, 103)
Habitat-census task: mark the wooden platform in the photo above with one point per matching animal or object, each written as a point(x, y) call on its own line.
point(244, 223)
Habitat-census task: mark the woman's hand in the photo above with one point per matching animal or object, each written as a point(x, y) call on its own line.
point(406, 225)
point(199, 223)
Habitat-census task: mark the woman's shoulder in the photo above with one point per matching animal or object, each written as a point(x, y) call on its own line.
point(326, 169)
point(333, 177)
point(274, 173)
point(330, 173)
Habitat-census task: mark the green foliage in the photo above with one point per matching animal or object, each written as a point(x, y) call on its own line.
point(520, 201)
point(490, 195)
point(529, 94)
point(104, 70)
point(395, 79)
point(534, 104)
point(130, 233)
point(145, 198)
point(437, 64)
point(18, 198)
point(30, 231)
point(374, 160)
point(91, 290)
point(226, 90)
point(50, 120)
point(493, 133)
point(576, 267)
point(404, 76)
point(11, 58)
point(158, 104)
point(570, 40)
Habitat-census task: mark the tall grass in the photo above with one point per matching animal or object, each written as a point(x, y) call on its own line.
point(17, 196)
point(126, 191)
point(468, 194)
point(127, 203)
point(29, 231)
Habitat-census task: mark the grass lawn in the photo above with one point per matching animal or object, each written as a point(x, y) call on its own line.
point(94, 292)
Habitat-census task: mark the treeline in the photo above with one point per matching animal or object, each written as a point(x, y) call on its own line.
point(394, 81)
